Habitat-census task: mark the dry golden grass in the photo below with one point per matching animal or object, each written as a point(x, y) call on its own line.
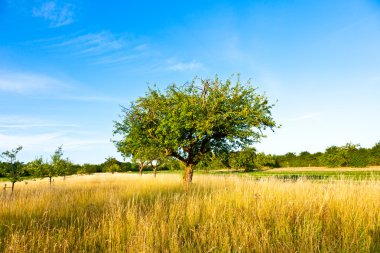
point(126, 213)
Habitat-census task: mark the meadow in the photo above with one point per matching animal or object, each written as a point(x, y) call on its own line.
point(312, 173)
point(217, 213)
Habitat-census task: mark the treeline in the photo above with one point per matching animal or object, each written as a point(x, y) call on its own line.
point(349, 155)
point(57, 166)
point(15, 171)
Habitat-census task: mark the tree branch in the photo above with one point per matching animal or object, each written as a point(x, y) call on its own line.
point(176, 155)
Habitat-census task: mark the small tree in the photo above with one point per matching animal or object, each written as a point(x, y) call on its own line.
point(149, 156)
point(188, 122)
point(12, 168)
point(57, 166)
point(142, 164)
point(145, 156)
point(111, 165)
point(156, 163)
point(67, 168)
point(36, 167)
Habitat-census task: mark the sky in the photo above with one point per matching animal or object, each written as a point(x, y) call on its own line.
point(67, 66)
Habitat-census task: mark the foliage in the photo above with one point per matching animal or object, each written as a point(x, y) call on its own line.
point(244, 159)
point(57, 167)
point(375, 154)
point(350, 155)
point(37, 167)
point(111, 165)
point(190, 121)
point(12, 168)
point(264, 161)
point(89, 168)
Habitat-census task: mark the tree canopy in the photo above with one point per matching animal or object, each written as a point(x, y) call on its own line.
point(189, 121)
point(12, 168)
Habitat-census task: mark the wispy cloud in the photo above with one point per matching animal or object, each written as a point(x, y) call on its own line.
point(28, 141)
point(98, 48)
point(93, 99)
point(40, 136)
point(46, 142)
point(57, 14)
point(183, 66)
point(97, 146)
point(13, 126)
point(23, 82)
point(114, 59)
point(95, 43)
point(11, 123)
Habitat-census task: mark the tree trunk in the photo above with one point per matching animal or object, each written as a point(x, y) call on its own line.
point(188, 176)
point(13, 187)
point(140, 169)
point(50, 182)
point(155, 172)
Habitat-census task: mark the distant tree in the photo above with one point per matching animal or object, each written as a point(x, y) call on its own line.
point(141, 163)
point(316, 159)
point(89, 168)
point(111, 165)
point(70, 167)
point(114, 168)
point(334, 157)
point(12, 169)
point(187, 122)
point(264, 161)
point(358, 157)
point(173, 164)
point(36, 167)
point(304, 159)
point(244, 159)
point(343, 156)
point(154, 157)
point(146, 156)
point(127, 166)
point(290, 159)
point(375, 155)
point(214, 161)
point(57, 166)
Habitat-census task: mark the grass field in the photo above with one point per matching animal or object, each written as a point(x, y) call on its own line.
point(218, 213)
point(312, 173)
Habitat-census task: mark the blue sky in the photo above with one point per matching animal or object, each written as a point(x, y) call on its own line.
point(66, 66)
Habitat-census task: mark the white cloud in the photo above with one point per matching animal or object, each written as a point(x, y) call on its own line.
point(183, 66)
point(20, 82)
point(58, 15)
